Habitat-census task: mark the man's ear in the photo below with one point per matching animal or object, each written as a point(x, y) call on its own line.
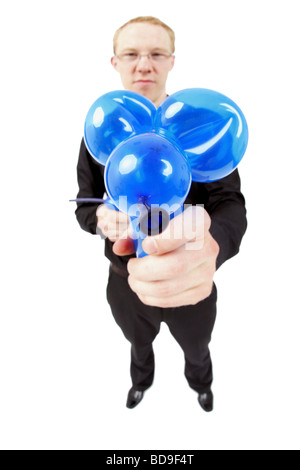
point(172, 62)
point(114, 62)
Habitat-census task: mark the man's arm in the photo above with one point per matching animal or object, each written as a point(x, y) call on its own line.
point(226, 207)
point(180, 271)
point(96, 219)
point(91, 184)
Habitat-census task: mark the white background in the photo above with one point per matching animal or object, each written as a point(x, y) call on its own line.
point(64, 364)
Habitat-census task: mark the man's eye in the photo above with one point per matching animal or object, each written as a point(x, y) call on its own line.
point(158, 56)
point(131, 55)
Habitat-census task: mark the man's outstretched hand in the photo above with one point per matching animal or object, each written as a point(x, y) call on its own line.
point(181, 265)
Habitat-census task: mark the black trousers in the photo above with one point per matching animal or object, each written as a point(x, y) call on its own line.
point(191, 326)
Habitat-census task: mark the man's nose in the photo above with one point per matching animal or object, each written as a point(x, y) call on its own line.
point(144, 63)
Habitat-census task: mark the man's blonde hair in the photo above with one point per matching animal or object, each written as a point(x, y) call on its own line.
point(150, 20)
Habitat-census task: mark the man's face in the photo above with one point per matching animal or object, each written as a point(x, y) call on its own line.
point(144, 76)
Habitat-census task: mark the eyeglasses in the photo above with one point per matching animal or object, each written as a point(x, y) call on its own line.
point(153, 56)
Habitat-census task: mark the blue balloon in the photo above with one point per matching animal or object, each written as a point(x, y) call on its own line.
point(148, 170)
point(209, 127)
point(113, 118)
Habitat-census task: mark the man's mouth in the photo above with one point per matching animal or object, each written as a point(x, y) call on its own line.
point(144, 81)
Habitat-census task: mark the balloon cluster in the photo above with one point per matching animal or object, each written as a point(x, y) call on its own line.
point(151, 155)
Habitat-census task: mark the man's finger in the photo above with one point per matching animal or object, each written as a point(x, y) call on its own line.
point(125, 245)
point(187, 227)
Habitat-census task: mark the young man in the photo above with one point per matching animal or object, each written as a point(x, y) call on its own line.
point(174, 283)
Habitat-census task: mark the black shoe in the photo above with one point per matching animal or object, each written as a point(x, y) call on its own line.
point(134, 398)
point(206, 401)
